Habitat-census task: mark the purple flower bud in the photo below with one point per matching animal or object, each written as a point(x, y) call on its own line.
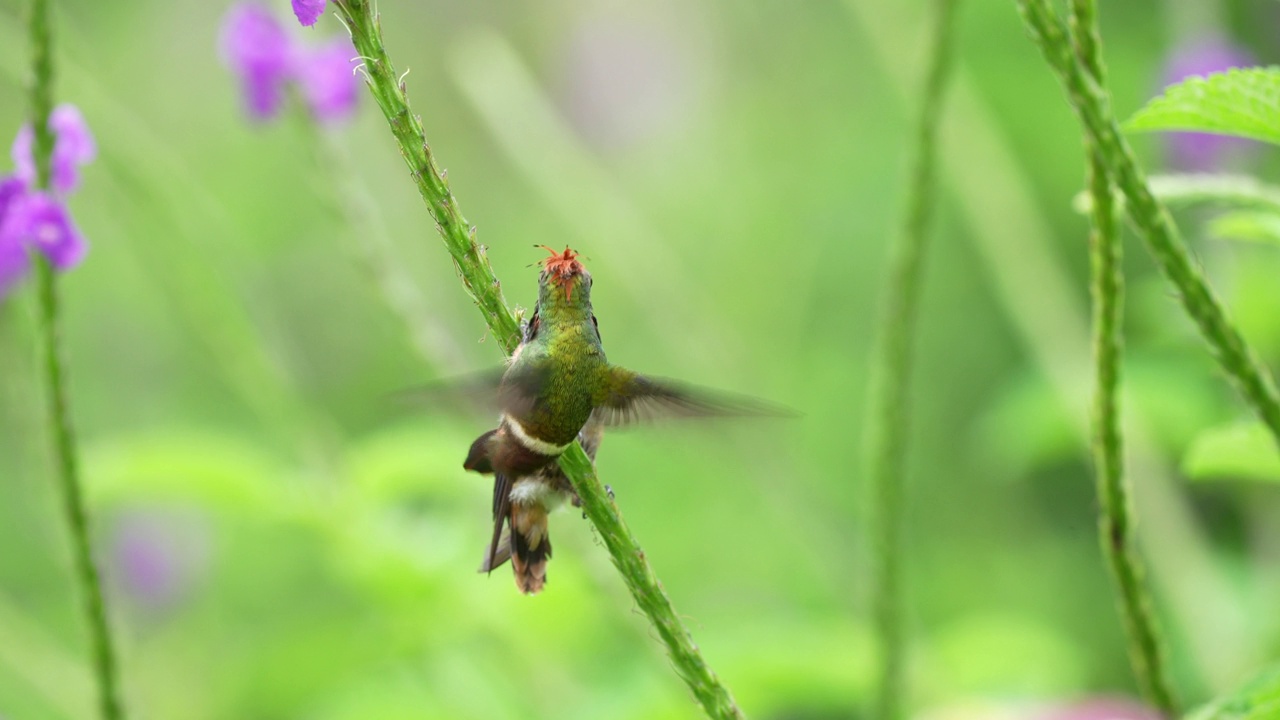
point(308, 11)
point(1203, 152)
point(73, 146)
point(36, 220)
point(328, 83)
point(257, 48)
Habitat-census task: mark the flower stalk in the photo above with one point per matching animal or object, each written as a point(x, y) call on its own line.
point(477, 277)
point(890, 392)
point(64, 444)
point(1116, 517)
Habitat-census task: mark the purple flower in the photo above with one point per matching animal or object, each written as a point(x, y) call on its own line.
point(158, 555)
point(38, 221)
point(328, 83)
point(267, 60)
point(35, 220)
point(259, 50)
point(73, 146)
point(1194, 151)
point(308, 11)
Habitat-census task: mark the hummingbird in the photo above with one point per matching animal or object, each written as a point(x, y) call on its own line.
point(559, 387)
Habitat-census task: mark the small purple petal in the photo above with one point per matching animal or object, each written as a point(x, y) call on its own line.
point(24, 165)
point(13, 266)
point(328, 83)
point(1203, 152)
point(258, 49)
point(13, 256)
point(73, 146)
point(12, 190)
point(36, 220)
point(308, 11)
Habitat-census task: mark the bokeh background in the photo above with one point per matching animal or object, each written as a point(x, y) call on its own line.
point(281, 538)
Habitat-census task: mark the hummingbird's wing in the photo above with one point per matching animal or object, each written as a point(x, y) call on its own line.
point(486, 391)
point(501, 511)
point(492, 562)
point(629, 398)
point(471, 392)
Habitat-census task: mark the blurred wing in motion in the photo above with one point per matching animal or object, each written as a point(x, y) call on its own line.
point(471, 393)
point(629, 398)
point(484, 392)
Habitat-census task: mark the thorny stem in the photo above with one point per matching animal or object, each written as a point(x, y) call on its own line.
point(888, 423)
point(55, 375)
point(1093, 108)
point(478, 278)
point(1116, 518)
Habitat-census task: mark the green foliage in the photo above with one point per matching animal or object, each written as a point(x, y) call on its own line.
point(1241, 102)
point(1257, 700)
point(220, 331)
point(1244, 451)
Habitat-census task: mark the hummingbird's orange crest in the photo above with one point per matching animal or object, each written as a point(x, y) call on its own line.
point(561, 267)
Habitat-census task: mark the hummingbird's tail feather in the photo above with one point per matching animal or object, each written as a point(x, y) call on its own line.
point(530, 547)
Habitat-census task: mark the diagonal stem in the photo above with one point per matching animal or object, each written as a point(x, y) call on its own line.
point(1116, 516)
point(478, 278)
point(887, 426)
point(60, 426)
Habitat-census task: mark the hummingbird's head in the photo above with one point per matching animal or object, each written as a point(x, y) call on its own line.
point(564, 282)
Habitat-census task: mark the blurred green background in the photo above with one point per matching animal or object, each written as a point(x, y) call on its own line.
point(281, 539)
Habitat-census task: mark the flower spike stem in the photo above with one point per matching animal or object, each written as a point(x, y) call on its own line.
point(1093, 107)
point(1115, 520)
point(60, 413)
point(888, 421)
point(478, 278)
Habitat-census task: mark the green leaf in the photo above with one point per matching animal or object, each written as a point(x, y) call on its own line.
point(1258, 700)
point(1241, 102)
point(1258, 227)
point(1242, 451)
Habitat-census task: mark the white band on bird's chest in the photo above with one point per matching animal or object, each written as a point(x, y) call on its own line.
point(542, 447)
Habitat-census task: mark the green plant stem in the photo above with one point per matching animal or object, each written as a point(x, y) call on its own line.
point(1116, 515)
point(890, 393)
point(64, 444)
point(1093, 108)
point(479, 280)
